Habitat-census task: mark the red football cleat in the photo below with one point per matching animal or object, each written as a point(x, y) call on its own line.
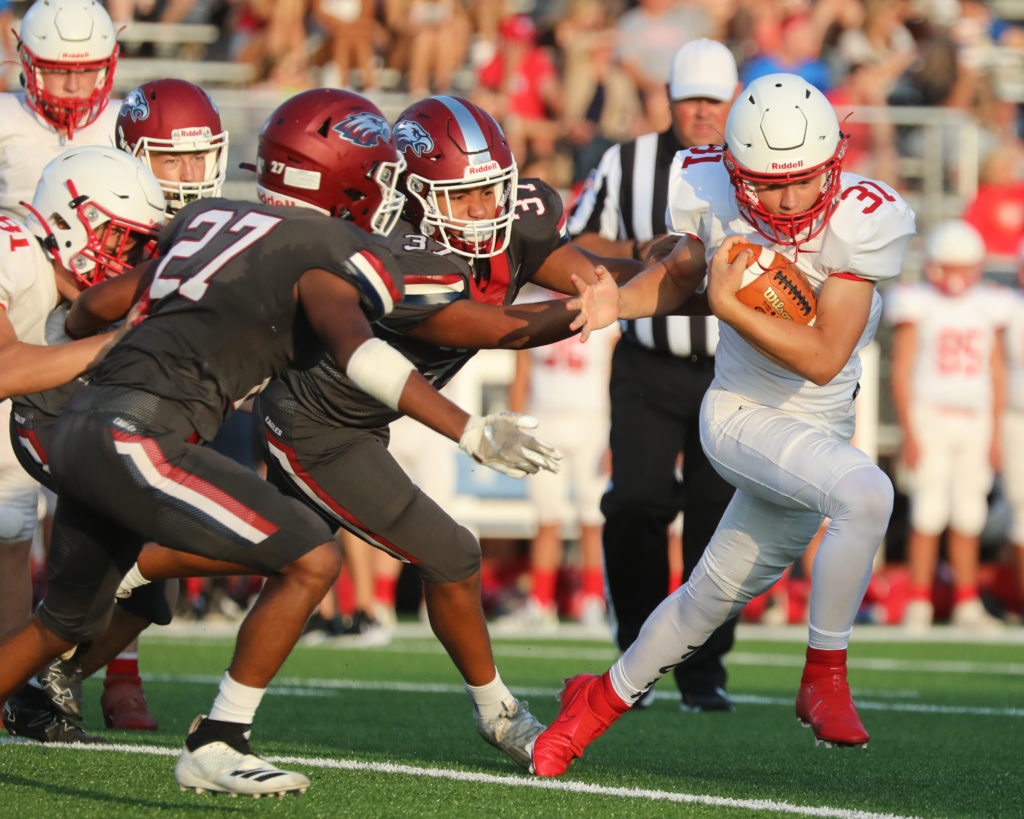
point(124, 704)
point(824, 703)
point(589, 706)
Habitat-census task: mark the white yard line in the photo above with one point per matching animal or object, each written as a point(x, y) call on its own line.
point(568, 786)
point(294, 686)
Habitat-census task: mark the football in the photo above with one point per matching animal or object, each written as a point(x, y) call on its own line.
point(774, 285)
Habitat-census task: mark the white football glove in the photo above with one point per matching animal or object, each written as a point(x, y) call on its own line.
point(498, 441)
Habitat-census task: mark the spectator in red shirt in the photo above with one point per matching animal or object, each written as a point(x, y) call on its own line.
point(521, 88)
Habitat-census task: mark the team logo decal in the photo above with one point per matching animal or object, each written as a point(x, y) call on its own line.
point(364, 129)
point(410, 135)
point(136, 105)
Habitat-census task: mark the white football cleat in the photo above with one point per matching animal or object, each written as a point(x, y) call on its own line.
point(218, 767)
point(917, 617)
point(513, 731)
point(971, 614)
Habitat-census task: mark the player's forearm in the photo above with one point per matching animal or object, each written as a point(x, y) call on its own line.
point(423, 403)
point(26, 368)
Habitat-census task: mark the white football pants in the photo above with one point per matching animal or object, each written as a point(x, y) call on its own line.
point(790, 471)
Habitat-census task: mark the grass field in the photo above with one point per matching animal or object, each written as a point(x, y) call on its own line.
point(385, 732)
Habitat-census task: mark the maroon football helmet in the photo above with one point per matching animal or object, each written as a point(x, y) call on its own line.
point(175, 117)
point(331, 150)
point(449, 144)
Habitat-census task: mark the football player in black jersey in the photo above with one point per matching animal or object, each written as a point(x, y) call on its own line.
point(477, 235)
point(174, 128)
point(241, 291)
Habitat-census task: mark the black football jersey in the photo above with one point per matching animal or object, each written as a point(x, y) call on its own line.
point(435, 277)
point(221, 314)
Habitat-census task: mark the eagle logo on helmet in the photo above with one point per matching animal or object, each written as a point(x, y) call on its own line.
point(410, 135)
point(135, 105)
point(365, 129)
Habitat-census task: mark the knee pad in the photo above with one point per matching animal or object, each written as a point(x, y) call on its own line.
point(864, 495)
point(78, 627)
point(929, 513)
point(19, 516)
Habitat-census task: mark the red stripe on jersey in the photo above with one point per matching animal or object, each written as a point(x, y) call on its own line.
point(493, 289)
point(851, 276)
point(30, 441)
point(194, 483)
point(337, 509)
point(383, 274)
point(446, 278)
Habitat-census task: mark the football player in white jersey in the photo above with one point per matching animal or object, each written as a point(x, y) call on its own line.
point(566, 384)
point(948, 388)
point(1013, 420)
point(68, 50)
point(93, 211)
point(778, 418)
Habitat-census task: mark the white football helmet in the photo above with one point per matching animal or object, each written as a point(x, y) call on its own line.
point(67, 35)
point(954, 256)
point(97, 211)
point(783, 129)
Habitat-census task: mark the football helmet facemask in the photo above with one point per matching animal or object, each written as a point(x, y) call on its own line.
point(97, 211)
point(780, 130)
point(67, 36)
point(175, 117)
point(330, 150)
point(451, 146)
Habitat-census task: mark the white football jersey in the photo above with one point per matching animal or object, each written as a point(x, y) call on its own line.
point(568, 376)
point(867, 236)
point(955, 338)
point(28, 142)
point(28, 289)
point(1015, 349)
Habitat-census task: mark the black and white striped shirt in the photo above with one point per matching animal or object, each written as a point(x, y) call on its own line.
point(625, 197)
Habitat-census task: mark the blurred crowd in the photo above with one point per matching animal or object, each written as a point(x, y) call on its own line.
point(567, 78)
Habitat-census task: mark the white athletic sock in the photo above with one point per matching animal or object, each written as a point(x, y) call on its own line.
point(236, 702)
point(488, 698)
point(828, 640)
point(132, 580)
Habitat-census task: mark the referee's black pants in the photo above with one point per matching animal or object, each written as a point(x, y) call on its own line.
point(655, 414)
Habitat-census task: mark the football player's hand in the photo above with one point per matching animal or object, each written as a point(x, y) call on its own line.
point(498, 441)
point(598, 303)
point(725, 278)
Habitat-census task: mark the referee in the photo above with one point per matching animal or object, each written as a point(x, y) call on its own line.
point(660, 371)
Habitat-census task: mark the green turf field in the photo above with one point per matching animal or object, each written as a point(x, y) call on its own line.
point(388, 731)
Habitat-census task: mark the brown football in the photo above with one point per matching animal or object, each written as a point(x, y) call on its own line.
point(774, 285)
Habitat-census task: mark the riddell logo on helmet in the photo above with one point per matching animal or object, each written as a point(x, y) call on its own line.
point(487, 167)
point(268, 198)
point(191, 133)
point(787, 166)
point(75, 55)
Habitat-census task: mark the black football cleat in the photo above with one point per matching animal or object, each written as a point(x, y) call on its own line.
point(30, 714)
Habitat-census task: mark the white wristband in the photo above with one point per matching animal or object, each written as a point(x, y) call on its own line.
point(378, 369)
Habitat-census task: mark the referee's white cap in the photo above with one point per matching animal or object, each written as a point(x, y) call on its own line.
point(703, 68)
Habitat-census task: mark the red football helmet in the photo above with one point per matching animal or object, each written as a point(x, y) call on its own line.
point(781, 130)
point(449, 144)
point(67, 36)
point(331, 150)
point(175, 117)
